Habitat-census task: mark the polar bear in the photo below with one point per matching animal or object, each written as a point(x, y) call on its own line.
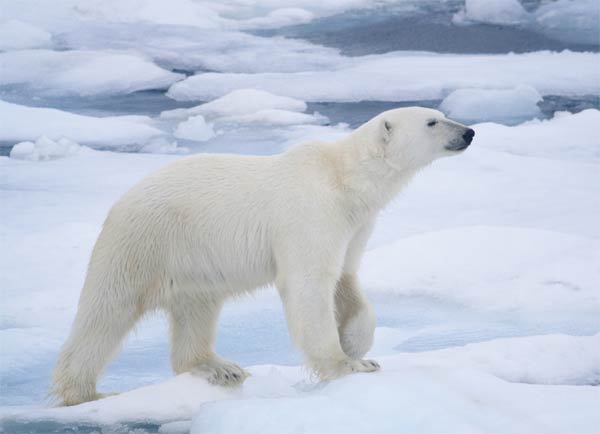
point(208, 227)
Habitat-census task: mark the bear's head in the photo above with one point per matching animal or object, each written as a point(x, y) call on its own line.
point(413, 137)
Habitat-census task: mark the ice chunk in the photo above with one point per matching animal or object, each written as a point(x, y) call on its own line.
point(18, 122)
point(570, 20)
point(81, 72)
point(195, 128)
point(161, 145)
point(409, 77)
point(240, 107)
point(239, 102)
point(492, 11)
point(178, 427)
point(17, 35)
point(274, 117)
point(46, 149)
point(501, 105)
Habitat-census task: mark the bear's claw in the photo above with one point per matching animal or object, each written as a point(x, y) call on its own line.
point(221, 372)
point(364, 366)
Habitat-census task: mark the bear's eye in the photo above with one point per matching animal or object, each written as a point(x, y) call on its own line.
point(431, 123)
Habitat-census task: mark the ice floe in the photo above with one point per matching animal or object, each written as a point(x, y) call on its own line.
point(501, 105)
point(409, 77)
point(239, 102)
point(80, 73)
point(20, 123)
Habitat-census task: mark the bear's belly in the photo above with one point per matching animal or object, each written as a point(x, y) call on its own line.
point(223, 267)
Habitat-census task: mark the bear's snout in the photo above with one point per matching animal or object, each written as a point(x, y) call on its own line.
point(468, 136)
point(459, 145)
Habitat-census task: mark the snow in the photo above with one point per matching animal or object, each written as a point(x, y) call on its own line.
point(485, 387)
point(504, 105)
point(525, 269)
point(46, 149)
point(194, 128)
point(492, 11)
point(18, 35)
point(438, 392)
point(80, 72)
point(19, 123)
point(409, 77)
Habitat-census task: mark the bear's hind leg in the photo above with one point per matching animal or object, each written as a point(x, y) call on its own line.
point(100, 325)
point(193, 322)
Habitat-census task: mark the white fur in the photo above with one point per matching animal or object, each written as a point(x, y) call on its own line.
point(210, 226)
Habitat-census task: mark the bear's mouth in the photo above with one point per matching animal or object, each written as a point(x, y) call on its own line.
point(457, 146)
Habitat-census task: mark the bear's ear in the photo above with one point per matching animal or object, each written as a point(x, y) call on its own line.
point(386, 130)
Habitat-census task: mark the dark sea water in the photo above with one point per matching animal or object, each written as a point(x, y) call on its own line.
point(427, 27)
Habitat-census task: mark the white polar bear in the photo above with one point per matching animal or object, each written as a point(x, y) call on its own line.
point(211, 226)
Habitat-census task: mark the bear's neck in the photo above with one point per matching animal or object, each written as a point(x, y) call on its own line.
point(368, 181)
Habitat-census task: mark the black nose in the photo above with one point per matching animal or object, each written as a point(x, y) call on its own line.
point(468, 136)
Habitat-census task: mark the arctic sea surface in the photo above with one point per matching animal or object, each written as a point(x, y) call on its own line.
point(484, 273)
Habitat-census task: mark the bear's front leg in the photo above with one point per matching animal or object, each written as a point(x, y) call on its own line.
point(309, 302)
point(355, 317)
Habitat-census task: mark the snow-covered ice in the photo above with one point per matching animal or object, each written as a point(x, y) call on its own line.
point(505, 105)
point(80, 72)
point(410, 77)
point(497, 386)
point(18, 122)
